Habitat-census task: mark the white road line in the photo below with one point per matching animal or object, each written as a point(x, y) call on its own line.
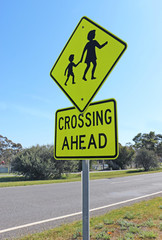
point(75, 214)
point(39, 222)
point(125, 181)
point(125, 201)
point(119, 182)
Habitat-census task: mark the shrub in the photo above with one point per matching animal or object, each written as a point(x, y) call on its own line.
point(38, 163)
point(146, 159)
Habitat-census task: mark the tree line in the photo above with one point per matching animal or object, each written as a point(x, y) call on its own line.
point(146, 152)
point(37, 162)
point(8, 150)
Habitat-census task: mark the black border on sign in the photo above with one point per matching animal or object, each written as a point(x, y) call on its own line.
point(111, 157)
point(107, 32)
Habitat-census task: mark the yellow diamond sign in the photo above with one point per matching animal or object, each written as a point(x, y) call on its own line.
point(86, 61)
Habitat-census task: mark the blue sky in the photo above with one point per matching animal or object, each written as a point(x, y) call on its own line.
point(34, 32)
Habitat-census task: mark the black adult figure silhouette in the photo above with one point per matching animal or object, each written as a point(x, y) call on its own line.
point(70, 69)
point(91, 53)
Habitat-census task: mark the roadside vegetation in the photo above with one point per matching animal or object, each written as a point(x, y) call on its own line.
point(36, 165)
point(12, 181)
point(139, 221)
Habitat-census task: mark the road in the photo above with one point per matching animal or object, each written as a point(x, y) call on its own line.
point(35, 208)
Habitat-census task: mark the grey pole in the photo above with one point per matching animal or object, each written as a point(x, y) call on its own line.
point(85, 199)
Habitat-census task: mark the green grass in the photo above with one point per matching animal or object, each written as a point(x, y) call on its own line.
point(20, 181)
point(124, 173)
point(148, 235)
point(15, 180)
point(129, 215)
point(113, 225)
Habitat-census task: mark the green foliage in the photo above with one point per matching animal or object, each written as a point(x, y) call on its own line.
point(160, 227)
point(99, 226)
point(38, 163)
point(159, 150)
point(149, 223)
point(148, 235)
point(150, 141)
point(103, 236)
point(125, 156)
point(124, 223)
point(124, 159)
point(8, 149)
point(77, 234)
point(129, 215)
point(146, 159)
point(128, 236)
point(151, 144)
point(133, 229)
point(108, 221)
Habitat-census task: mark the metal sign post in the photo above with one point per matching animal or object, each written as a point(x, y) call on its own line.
point(91, 134)
point(85, 199)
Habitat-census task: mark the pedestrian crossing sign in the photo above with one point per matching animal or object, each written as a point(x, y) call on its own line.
point(86, 61)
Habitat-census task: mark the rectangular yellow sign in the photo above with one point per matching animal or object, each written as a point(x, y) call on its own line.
point(92, 135)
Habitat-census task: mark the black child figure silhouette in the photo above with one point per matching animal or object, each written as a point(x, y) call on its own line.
point(91, 53)
point(70, 69)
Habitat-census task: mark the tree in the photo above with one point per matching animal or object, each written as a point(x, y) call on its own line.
point(124, 159)
point(8, 149)
point(148, 141)
point(33, 163)
point(146, 159)
point(125, 156)
point(159, 150)
point(38, 163)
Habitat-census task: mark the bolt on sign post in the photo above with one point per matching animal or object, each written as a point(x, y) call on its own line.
point(82, 67)
point(86, 61)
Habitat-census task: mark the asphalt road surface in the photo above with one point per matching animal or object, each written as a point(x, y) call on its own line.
point(32, 209)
